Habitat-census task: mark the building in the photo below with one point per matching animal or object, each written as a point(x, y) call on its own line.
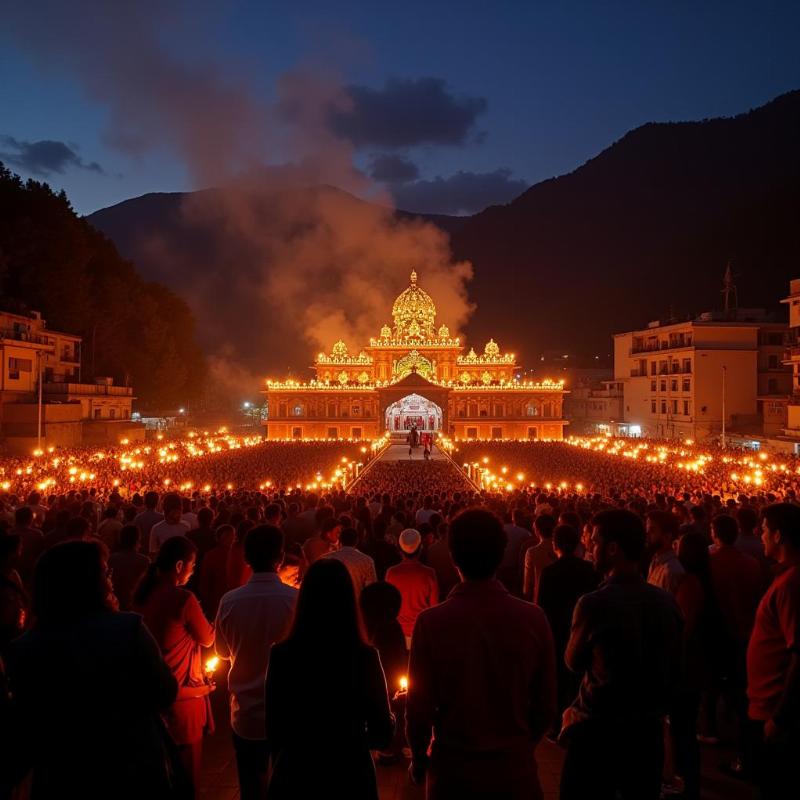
point(597, 408)
point(790, 438)
point(415, 374)
point(71, 412)
point(682, 379)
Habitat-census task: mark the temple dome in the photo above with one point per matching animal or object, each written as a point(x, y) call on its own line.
point(414, 305)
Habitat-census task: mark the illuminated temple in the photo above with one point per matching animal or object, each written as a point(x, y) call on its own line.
point(415, 374)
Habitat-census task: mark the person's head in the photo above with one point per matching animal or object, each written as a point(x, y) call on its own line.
point(724, 530)
point(330, 530)
point(174, 564)
point(326, 615)
point(23, 517)
point(129, 537)
point(173, 508)
point(77, 528)
point(348, 537)
point(565, 540)
point(544, 525)
point(263, 548)
point(111, 512)
point(380, 603)
point(410, 543)
point(780, 531)
point(272, 514)
point(747, 520)
point(693, 555)
point(477, 542)
point(205, 516)
point(619, 540)
point(662, 530)
point(151, 500)
point(70, 581)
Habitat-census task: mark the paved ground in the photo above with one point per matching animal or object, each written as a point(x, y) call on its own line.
point(399, 452)
point(219, 768)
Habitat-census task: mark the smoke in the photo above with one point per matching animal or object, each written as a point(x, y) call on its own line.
point(282, 264)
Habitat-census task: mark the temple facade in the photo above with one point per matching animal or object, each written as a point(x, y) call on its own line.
point(415, 375)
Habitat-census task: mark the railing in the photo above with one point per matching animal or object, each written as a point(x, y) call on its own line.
point(25, 336)
point(87, 389)
point(657, 348)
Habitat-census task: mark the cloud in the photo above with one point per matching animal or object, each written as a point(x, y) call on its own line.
point(406, 113)
point(462, 193)
point(44, 157)
point(393, 169)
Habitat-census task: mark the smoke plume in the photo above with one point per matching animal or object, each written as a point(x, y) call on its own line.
point(282, 263)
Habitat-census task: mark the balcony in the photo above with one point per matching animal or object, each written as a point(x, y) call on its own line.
point(657, 348)
point(25, 336)
point(86, 389)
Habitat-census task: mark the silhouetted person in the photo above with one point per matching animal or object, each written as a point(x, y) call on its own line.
point(480, 717)
point(174, 617)
point(626, 645)
point(127, 566)
point(250, 620)
point(560, 586)
point(319, 731)
point(88, 686)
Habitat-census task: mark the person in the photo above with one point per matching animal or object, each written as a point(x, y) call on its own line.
point(417, 584)
point(212, 582)
point(540, 555)
point(626, 646)
point(316, 546)
point(360, 566)
point(560, 586)
point(174, 617)
point(32, 542)
point(171, 525)
point(127, 566)
point(380, 604)
point(480, 719)
point(149, 517)
point(88, 685)
point(738, 583)
point(14, 605)
point(510, 574)
point(666, 570)
point(188, 517)
point(773, 659)
point(426, 511)
point(439, 559)
point(250, 620)
point(338, 719)
point(202, 535)
point(109, 528)
point(237, 570)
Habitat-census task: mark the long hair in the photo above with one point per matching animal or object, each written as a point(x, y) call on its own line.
point(69, 582)
point(174, 549)
point(326, 614)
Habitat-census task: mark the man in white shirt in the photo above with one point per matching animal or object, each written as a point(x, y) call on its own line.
point(425, 513)
point(249, 621)
point(360, 566)
point(189, 518)
point(171, 525)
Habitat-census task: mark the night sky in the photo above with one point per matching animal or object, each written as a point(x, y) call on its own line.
point(450, 105)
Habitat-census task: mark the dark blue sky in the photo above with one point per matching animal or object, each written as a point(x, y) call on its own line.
point(454, 104)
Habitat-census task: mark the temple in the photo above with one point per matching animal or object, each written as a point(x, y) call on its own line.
point(415, 375)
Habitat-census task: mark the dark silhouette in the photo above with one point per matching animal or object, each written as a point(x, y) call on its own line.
point(326, 694)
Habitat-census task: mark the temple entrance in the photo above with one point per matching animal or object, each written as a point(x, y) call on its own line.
point(413, 411)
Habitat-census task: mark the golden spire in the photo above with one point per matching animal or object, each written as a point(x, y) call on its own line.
point(413, 277)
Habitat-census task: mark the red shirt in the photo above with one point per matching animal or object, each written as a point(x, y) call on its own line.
point(738, 584)
point(776, 636)
point(419, 588)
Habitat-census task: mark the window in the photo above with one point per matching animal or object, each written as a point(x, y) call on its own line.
point(472, 433)
point(282, 410)
point(98, 413)
point(497, 433)
point(686, 385)
point(355, 411)
point(772, 386)
point(652, 367)
point(331, 409)
point(297, 433)
point(652, 406)
point(297, 411)
point(663, 367)
point(484, 413)
point(773, 362)
point(355, 433)
point(673, 386)
point(687, 364)
point(17, 366)
point(533, 433)
point(674, 406)
point(498, 410)
point(532, 411)
point(776, 338)
point(663, 386)
point(112, 413)
point(473, 410)
point(333, 433)
point(462, 412)
point(686, 408)
point(663, 406)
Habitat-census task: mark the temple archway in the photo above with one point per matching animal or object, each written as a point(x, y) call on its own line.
point(413, 410)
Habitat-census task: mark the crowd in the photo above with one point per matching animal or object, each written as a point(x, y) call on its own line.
point(411, 617)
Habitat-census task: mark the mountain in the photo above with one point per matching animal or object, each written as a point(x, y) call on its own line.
point(643, 230)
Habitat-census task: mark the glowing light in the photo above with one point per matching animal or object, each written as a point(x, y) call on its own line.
point(211, 665)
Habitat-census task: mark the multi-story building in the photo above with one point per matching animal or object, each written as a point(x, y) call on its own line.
point(791, 358)
point(415, 375)
point(37, 363)
point(597, 408)
point(682, 379)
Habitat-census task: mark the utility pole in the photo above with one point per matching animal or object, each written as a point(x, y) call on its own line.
point(39, 433)
point(724, 410)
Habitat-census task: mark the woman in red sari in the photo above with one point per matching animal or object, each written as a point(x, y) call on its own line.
point(174, 617)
